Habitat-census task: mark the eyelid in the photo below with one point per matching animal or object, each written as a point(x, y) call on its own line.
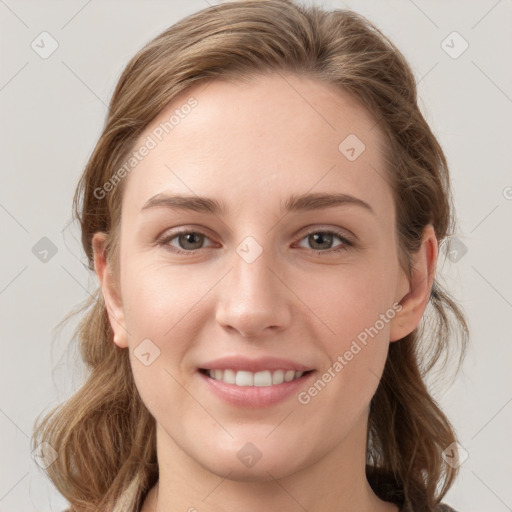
point(336, 230)
point(170, 233)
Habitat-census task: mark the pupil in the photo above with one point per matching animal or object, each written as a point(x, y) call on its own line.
point(189, 238)
point(321, 236)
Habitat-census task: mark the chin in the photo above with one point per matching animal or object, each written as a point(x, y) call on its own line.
point(249, 465)
point(261, 472)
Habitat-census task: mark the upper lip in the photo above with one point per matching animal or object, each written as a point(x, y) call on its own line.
point(253, 365)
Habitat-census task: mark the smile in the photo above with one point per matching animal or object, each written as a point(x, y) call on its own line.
point(244, 378)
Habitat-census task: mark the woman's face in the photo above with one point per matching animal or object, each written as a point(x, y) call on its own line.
point(273, 283)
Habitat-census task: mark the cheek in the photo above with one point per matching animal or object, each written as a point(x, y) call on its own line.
point(347, 299)
point(157, 298)
point(356, 309)
point(340, 301)
point(159, 311)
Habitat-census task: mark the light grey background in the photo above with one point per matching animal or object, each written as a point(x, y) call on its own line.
point(52, 112)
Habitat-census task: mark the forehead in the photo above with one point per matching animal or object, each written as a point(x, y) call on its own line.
point(249, 142)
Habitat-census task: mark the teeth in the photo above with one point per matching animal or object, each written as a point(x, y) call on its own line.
point(278, 377)
point(242, 378)
point(289, 375)
point(229, 376)
point(260, 379)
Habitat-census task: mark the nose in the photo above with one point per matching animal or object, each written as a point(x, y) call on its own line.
point(253, 299)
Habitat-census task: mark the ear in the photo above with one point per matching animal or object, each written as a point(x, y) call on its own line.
point(110, 290)
point(417, 287)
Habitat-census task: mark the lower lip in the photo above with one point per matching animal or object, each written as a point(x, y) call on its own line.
point(255, 396)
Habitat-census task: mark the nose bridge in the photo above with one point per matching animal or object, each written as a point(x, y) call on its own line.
point(253, 298)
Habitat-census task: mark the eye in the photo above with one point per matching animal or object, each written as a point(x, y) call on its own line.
point(188, 240)
point(321, 241)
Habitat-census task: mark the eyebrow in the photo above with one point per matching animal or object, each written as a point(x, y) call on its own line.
point(295, 203)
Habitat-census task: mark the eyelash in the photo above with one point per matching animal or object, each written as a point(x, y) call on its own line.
point(347, 243)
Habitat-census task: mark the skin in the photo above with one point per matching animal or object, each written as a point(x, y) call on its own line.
point(252, 146)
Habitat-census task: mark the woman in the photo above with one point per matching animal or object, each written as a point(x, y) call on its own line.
point(264, 211)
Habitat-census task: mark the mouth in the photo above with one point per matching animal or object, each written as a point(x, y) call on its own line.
point(244, 378)
point(246, 382)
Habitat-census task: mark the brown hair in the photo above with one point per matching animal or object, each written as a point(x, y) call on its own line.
point(104, 435)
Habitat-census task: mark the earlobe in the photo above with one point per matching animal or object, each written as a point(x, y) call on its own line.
point(109, 290)
point(419, 286)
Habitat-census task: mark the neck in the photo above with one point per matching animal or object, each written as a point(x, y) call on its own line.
point(335, 482)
